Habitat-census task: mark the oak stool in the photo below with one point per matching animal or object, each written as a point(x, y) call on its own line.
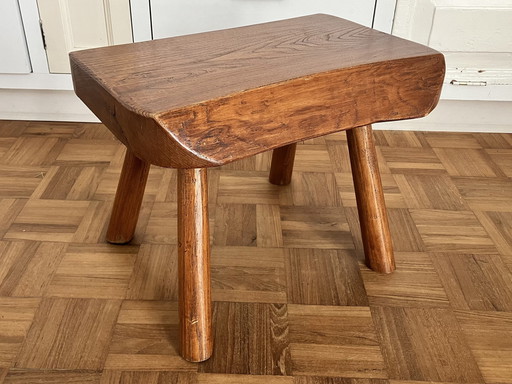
point(205, 100)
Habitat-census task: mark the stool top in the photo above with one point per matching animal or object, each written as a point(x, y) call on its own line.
point(210, 98)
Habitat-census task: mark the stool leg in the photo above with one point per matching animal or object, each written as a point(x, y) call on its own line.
point(194, 265)
point(282, 165)
point(373, 216)
point(128, 200)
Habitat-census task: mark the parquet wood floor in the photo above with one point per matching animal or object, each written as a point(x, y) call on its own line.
point(293, 302)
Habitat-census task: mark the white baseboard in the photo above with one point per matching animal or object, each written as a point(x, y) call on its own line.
point(450, 115)
point(43, 105)
point(460, 116)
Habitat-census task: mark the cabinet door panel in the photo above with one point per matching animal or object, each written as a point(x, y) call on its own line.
point(70, 25)
point(181, 17)
point(13, 47)
point(474, 37)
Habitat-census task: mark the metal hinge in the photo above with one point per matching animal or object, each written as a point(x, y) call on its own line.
point(469, 82)
point(42, 33)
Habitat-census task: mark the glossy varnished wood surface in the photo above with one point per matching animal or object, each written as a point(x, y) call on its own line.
point(377, 242)
point(293, 302)
point(261, 87)
point(281, 168)
point(128, 200)
point(196, 340)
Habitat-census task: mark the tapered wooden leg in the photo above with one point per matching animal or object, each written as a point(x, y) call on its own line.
point(282, 165)
point(194, 265)
point(373, 216)
point(128, 200)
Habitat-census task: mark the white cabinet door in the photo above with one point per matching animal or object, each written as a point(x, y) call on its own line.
point(181, 17)
point(70, 25)
point(475, 37)
point(13, 47)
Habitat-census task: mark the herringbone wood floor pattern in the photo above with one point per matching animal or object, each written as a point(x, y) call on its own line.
point(293, 302)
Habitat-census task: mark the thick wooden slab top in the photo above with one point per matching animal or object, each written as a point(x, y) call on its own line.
point(211, 98)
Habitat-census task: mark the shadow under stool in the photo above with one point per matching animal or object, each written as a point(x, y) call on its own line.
point(208, 99)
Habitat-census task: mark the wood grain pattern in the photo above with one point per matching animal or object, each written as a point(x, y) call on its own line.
point(146, 337)
point(477, 282)
point(138, 377)
point(26, 267)
point(337, 338)
point(241, 350)
point(130, 192)
point(194, 265)
point(452, 231)
point(415, 283)
point(69, 334)
point(99, 270)
point(249, 379)
point(269, 80)
point(488, 335)
point(248, 274)
point(323, 277)
point(424, 344)
point(155, 273)
point(16, 316)
point(373, 217)
point(315, 227)
point(50, 377)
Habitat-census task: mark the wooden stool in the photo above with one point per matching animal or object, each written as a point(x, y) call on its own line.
point(208, 99)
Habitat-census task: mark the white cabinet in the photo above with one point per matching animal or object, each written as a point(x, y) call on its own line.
point(181, 17)
point(70, 25)
point(13, 48)
point(476, 38)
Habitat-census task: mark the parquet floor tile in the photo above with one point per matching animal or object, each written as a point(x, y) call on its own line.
point(452, 231)
point(16, 316)
point(20, 376)
point(33, 151)
point(336, 380)
point(48, 220)
point(152, 377)
point(27, 267)
point(400, 139)
point(468, 162)
point(213, 378)
point(344, 336)
point(475, 282)
point(502, 158)
point(415, 283)
point(489, 335)
point(9, 211)
point(100, 270)
point(71, 334)
point(499, 227)
point(155, 273)
point(311, 189)
point(248, 274)
point(424, 344)
point(293, 301)
point(315, 227)
point(417, 161)
point(430, 192)
point(324, 277)
point(250, 338)
point(452, 140)
point(485, 194)
point(20, 182)
point(145, 338)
